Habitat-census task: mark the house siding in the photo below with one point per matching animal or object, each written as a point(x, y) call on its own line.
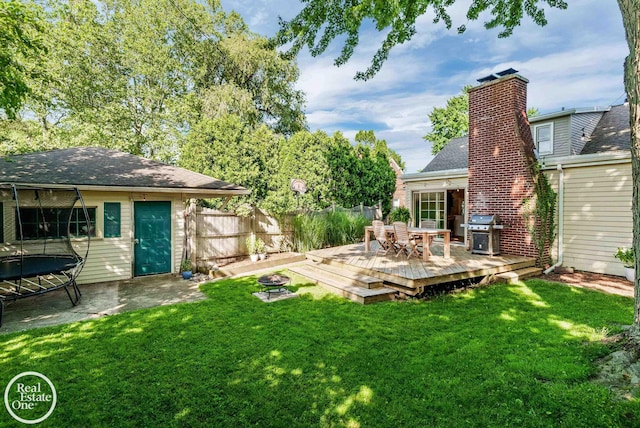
point(561, 137)
point(597, 216)
point(111, 259)
point(435, 185)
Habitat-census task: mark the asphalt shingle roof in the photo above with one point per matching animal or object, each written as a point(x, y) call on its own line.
point(97, 166)
point(612, 133)
point(454, 155)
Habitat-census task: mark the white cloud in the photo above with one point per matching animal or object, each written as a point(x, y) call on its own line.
point(575, 61)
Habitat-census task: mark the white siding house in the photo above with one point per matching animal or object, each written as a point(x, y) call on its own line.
point(589, 152)
point(594, 210)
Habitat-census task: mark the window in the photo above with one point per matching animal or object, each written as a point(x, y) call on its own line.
point(40, 223)
point(112, 220)
point(430, 206)
point(543, 136)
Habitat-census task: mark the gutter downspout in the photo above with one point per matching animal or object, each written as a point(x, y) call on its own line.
point(560, 218)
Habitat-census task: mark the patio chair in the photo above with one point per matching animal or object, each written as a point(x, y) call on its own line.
point(427, 224)
point(386, 243)
point(406, 244)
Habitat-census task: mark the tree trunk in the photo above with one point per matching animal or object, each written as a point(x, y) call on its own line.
point(630, 10)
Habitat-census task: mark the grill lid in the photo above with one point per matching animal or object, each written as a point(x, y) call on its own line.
point(485, 219)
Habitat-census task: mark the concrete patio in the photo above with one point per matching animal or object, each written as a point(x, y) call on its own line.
point(109, 298)
point(98, 300)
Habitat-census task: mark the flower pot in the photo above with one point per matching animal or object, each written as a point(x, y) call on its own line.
point(630, 274)
point(187, 274)
point(262, 256)
point(254, 257)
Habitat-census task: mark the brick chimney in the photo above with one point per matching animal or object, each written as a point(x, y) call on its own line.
point(500, 155)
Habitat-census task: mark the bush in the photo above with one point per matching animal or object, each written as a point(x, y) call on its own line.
point(185, 265)
point(255, 245)
point(400, 214)
point(321, 230)
point(626, 256)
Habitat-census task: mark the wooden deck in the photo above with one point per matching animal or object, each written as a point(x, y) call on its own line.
point(413, 275)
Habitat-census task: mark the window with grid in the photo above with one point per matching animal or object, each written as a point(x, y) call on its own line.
point(43, 223)
point(431, 206)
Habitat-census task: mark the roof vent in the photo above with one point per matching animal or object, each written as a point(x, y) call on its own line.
point(497, 75)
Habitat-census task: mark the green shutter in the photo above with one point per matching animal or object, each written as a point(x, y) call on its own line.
point(112, 220)
point(1, 223)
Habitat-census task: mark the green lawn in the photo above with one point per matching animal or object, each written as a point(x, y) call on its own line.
point(505, 355)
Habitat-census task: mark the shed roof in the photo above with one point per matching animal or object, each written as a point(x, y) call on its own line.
point(100, 168)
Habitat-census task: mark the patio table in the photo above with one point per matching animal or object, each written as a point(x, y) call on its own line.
point(416, 231)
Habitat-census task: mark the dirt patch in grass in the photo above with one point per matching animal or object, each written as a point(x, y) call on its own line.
point(595, 281)
point(620, 370)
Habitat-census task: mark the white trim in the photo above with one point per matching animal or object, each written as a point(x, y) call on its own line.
point(535, 137)
point(567, 112)
point(435, 175)
point(594, 159)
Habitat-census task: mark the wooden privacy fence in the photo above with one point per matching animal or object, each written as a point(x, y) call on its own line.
point(217, 235)
point(214, 236)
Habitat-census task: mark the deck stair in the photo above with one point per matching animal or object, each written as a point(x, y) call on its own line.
point(357, 287)
point(514, 276)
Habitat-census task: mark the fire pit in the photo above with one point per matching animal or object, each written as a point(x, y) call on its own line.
point(274, 283)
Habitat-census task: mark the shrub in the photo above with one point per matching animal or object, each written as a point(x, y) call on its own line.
point(626, 256)
point(185, 265)
point(319, 230)
point(254, 245)
point(400, 214)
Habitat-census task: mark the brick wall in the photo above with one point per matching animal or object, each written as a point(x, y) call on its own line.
point(500, 153)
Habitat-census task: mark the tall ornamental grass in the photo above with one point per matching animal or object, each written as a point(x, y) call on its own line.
point(320, 230)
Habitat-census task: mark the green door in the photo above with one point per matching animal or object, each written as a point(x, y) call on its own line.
point(152, 243)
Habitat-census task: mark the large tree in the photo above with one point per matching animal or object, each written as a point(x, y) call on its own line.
point(21, 45)
point(449, 122)
point(229, 149)
point(136, 75)
point(320, 22)
point(452, 121)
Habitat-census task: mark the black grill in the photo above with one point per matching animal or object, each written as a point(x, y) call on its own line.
point(485, 234)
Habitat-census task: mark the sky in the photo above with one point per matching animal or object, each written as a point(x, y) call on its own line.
point(576, 60)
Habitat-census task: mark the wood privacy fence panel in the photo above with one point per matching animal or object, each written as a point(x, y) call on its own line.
point(223, 235)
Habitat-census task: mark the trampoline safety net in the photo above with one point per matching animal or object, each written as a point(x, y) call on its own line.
point(44, 241)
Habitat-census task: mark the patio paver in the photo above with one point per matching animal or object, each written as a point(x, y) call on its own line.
point(98, 300)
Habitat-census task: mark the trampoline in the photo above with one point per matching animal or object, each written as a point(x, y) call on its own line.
point(45, 235)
